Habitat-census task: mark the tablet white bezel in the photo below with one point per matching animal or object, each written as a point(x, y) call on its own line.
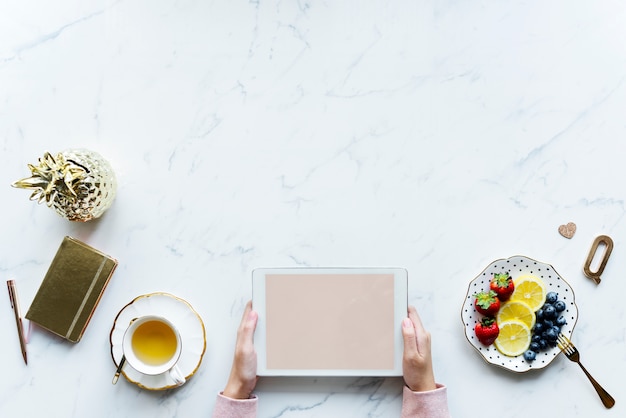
point(259, 305)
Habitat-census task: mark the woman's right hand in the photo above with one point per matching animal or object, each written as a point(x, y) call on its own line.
point(417, 365)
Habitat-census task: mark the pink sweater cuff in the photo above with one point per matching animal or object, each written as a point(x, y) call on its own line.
point(235, 408)
point(431, 404)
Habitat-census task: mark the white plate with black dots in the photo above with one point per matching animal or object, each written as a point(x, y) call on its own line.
point(516, 266)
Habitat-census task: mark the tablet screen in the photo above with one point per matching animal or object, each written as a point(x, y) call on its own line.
point(329, 321)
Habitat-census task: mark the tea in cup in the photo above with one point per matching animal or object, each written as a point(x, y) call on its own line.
point(152, 346)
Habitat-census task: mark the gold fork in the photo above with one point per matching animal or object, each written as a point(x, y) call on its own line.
point(572, 353)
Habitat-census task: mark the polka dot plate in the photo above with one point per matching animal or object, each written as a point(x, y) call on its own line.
point(516, 266)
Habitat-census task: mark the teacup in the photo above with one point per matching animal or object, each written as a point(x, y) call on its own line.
point(152, 346)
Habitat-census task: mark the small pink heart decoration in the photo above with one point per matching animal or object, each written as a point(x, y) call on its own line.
point(568, 230)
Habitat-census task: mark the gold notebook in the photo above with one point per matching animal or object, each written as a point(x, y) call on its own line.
point(71, 289)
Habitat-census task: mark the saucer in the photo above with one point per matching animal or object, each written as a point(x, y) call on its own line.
point(182, 315)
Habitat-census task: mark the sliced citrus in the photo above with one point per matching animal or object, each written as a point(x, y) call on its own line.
point(531, 290)
point(514, 338)
point(516, 309)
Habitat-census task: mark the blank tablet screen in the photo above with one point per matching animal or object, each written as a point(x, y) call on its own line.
point(344, 322)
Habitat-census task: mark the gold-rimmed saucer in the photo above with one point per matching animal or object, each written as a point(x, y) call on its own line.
point(182, 315)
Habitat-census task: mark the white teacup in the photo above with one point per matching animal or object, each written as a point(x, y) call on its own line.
point(152, 346)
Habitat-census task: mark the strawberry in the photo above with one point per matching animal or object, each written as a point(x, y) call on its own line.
point(503, 285)
point(487, 330)
point(487, 303)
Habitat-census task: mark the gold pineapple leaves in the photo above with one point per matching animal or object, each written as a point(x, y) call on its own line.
point(52, 177)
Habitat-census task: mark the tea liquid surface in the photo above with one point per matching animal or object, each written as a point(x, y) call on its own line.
point(154, 342)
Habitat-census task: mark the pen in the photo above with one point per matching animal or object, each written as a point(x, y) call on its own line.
point(18, 319)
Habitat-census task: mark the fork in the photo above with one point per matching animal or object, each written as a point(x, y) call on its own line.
point(572, 353)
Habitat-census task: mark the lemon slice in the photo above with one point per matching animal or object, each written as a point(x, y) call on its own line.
point(514, 338)
point(530, 290)
point(516, 309)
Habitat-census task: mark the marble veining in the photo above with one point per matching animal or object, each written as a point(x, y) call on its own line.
point(435, 136)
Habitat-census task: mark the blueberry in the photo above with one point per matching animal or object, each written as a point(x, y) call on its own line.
point(547, 324)
point(549, 311)
point(530, 355)
point(539, 314)
point(552, 297)
point(543, 343)
point(534, 346)
point(536, 338)
point(560, 321)
point(551, 334)
point(560, 306)
point(538, 328)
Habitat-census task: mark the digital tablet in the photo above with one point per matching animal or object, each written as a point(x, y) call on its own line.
point(329, 321)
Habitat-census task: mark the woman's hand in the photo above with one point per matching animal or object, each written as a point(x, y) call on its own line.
point(243, 376)
point(417, 365)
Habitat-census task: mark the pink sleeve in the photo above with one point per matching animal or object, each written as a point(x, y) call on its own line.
point(431, 404)
point(235, 408)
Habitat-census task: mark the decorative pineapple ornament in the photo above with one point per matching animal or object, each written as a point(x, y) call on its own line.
point(78, 184)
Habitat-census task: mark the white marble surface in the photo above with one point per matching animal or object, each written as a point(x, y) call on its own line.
point(436, 136)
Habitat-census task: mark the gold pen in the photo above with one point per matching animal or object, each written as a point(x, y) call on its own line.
point(18, 319)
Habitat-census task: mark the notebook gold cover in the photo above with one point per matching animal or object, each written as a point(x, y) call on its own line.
point(71, 289)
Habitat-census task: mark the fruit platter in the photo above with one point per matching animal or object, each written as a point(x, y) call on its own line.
point(514, 310)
